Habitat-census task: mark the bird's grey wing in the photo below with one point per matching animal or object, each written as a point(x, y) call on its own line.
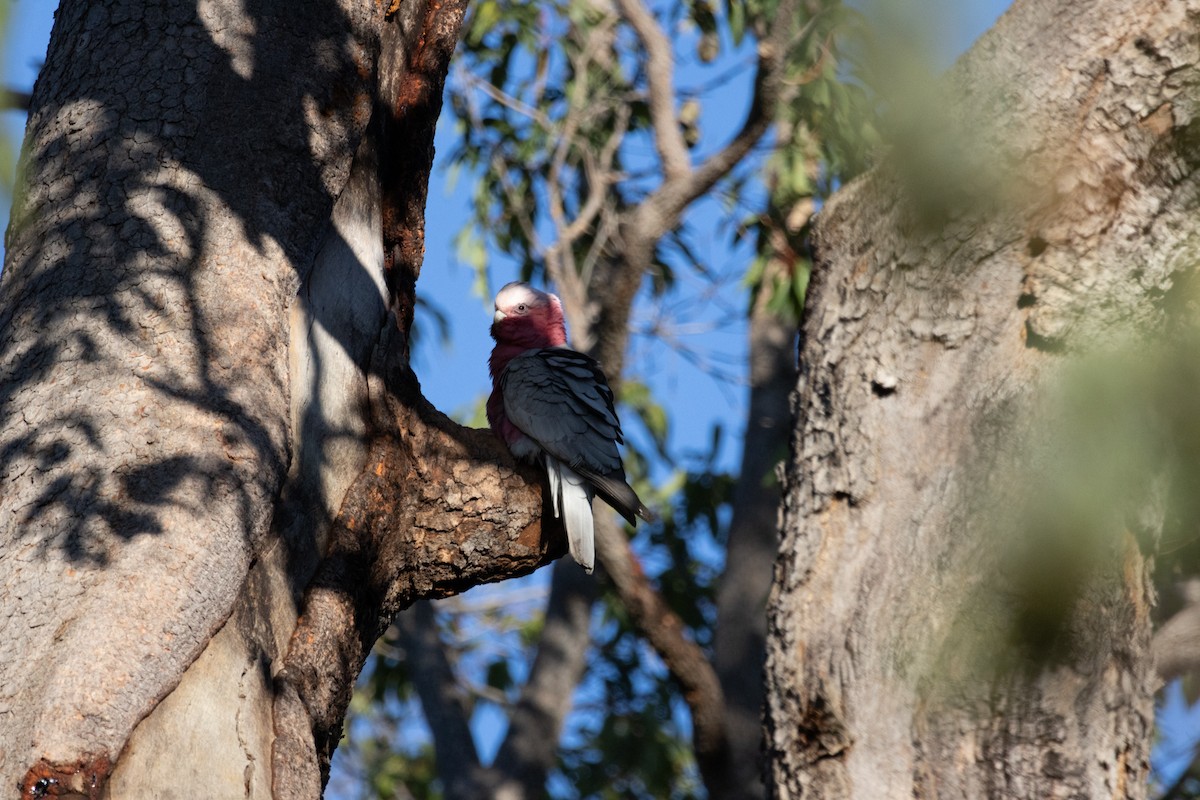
point(560, 399)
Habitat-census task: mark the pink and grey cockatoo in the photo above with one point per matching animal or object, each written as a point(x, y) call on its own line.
point(551, 404)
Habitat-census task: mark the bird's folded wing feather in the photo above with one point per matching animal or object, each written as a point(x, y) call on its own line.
point(560, 398)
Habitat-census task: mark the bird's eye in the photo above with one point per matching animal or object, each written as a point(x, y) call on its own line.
point(521, 308)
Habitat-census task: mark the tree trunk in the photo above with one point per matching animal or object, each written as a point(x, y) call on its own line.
point(917, 645)
point(188, 329)
point(159, 240)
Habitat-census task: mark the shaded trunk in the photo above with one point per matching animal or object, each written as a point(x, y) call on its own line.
point(216, 470)
point(160, 239)
point(922, 641)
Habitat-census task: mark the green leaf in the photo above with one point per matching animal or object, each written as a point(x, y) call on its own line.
point(487, 16)
point(736, 10)
point(498, 676)
point(637, 396)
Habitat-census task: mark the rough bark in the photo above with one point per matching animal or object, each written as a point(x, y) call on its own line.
point(422, 520)
point(933, 326)
point(143, 346)
point(219, 478)
point(223, 706)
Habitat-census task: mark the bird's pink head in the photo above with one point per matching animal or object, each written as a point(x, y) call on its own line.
point(527, 318)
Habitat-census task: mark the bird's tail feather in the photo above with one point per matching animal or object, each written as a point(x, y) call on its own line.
point(572, 499)
point(620, 495)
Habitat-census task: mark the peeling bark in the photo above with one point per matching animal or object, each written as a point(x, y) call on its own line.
point(933, 327)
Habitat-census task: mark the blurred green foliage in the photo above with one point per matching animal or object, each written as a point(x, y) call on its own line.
point(8, 147)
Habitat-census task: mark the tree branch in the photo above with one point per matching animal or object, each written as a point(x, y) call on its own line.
point(507, 100)
point(1176, 644)
point(438, 509)
point(535, 724)
point(446, 706)
point(663, 629)
point(660, 79)
point(642, 227)
point(660, 212)
point(739, 648)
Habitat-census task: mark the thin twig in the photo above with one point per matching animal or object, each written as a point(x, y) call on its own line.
point(507, 100)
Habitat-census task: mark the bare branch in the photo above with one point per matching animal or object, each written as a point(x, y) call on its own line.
point(560, 257)
point(661, 210)
point(600, 177)
point(660, 77)
point(663, 629)
point(739, 648)
point(507, 100)
point(535, 724)
point(616, 283)
point(12, 99)
point(560, 260)
point(1176, 644)
point(517, 201)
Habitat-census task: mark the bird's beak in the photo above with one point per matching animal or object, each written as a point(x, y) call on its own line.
point(499, 315)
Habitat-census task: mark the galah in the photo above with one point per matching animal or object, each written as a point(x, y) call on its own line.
point(553, 405)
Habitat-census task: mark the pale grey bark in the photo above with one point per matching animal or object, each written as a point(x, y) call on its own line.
point(185, 333)
point(143, 345)
point(1059, 206)
point(225, 706)
point(196, 369)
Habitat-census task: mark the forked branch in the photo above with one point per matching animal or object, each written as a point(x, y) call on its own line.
point(439, 508)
